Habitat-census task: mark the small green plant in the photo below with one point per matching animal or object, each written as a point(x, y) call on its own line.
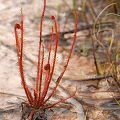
point(85, 49)
point(74, 4)
point(37, 100)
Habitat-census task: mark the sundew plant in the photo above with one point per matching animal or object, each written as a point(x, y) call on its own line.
point(37, 99)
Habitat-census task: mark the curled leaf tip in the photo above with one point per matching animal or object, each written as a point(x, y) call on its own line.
point(52, 17)
point(47, 67)
point(17, 26)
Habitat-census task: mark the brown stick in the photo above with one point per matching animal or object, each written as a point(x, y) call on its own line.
point(100, 77)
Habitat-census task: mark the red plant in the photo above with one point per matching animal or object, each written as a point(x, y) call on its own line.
point(38, 101)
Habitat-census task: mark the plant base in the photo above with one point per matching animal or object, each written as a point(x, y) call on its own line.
point(38, 114)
